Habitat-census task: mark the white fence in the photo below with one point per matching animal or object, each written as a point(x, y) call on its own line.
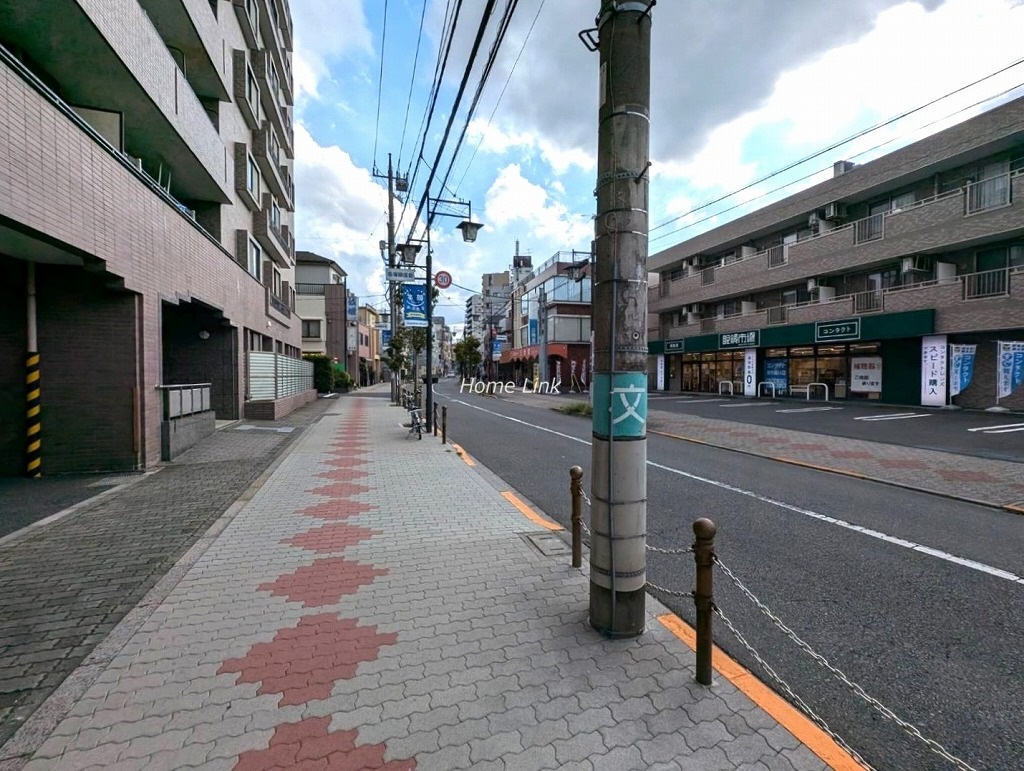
point(273, 376)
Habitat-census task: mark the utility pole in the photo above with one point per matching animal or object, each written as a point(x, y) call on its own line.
point(392, 288)
point(618, 561)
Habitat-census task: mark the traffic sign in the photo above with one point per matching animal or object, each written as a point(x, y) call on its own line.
point(443, 279)
point(399, 274)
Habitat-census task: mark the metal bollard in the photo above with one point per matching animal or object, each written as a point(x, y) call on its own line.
point(576, 488)
point(434, 424)
point(444, 424)
point(704, 557)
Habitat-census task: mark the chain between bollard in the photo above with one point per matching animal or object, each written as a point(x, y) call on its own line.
point(887, 713)
point(670, 592)
point(444, 424)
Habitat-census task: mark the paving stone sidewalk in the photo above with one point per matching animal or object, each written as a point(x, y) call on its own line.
point(67, 584)
point(376, 605)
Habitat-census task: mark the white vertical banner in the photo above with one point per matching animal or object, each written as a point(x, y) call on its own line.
point(933, 371)
point(750, 372)
point(661, 372)
point(1009, 367)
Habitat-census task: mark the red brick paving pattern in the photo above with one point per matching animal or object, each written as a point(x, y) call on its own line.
point(304, 662)
point(956, 475)
point(308, 745)
point(331, 537)
point(811, 446)
point(851, 454)
point(337, 509)
point(902, 463)
point(340, 489)
point(324, 582)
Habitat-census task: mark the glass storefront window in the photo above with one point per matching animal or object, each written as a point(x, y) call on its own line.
point(803, 350)
point(775, 353)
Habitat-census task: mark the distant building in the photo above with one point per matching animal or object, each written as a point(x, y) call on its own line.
point(858, 284)
point(146, 198)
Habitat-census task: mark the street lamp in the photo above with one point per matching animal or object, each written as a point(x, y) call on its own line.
point(469, 232)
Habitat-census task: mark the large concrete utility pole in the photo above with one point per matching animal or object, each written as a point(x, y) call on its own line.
point(618, 560)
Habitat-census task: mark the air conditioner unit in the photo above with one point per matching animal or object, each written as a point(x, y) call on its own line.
point(747, 251)
point(812, 284)
point(694, 308)
point(919, 263)
point(835, 210)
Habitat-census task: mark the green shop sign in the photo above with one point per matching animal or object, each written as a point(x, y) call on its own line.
point(674, 346)
point(832, 331)
point(739, 339)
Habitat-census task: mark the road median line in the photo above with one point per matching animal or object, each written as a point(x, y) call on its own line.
point(784, 713)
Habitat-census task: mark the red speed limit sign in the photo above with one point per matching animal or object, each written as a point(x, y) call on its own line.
point(443, 279)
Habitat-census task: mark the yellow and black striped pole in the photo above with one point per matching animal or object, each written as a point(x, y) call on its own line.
point(33, 417)
point(33, 425)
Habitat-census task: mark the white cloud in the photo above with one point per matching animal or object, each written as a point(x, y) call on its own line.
point(326, 30)
point(513, 199)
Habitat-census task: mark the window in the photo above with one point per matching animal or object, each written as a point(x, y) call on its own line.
point(252, 178)
point(252, 90)
point(275, 215)
point(252, 13)
point(275, 84)
point(255, 259)
point(311, 329)
point(277, 283)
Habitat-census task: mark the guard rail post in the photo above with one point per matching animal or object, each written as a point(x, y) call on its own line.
point(433, 424)
point(576, 488)
point(444, 424)
point(704, 557)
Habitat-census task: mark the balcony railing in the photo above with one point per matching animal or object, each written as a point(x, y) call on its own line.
point(778, 315)
point(778, 255)
point(988, 194)
point(278, 304)
point(707, 276)
point(869, 229)
point(315, 289)
point(872, 301)
point(990, 283)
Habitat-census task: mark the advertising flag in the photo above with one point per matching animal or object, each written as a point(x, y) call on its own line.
point(961, 366)
point(1009, 367)
point(414, 304)
point(933, 371)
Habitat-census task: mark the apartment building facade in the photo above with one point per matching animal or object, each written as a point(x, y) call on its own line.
point(146, 216)
point(899, 280)
point(321, 303)
point(550, 323)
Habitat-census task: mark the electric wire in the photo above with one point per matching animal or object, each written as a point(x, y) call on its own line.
point(412, 82)
point(826, 168)
point(836, 145)
point(508, 79)
point(488, 10)
point(380, 80)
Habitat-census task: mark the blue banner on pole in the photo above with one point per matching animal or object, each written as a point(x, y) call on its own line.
point(353, 307)
point(385, 338)
point(1010, 367)
point(414, 304)
point(534, 331)
point(961, 365)
point(776, 372)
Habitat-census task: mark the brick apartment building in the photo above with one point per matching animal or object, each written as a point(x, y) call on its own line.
point(146, 199)
point(861, 284)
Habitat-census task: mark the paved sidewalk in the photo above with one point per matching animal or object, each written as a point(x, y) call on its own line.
point(376, 604)
point(964, 477)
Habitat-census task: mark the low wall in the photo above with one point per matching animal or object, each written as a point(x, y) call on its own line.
point(179, 434)
point(275, 409)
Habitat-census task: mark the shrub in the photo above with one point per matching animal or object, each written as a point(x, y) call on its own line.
point(323, 378)
point(343, 380)
point(576, 408)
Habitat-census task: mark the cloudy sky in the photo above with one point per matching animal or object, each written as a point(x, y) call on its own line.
point(739, 90)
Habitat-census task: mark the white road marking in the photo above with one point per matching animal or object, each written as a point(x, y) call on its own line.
point(749, 404)
point(699, 401)
point(1006, 428)
point(897, 416)
point(890, 539)
point(810, 409)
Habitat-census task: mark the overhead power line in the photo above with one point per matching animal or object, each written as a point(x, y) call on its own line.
point(380, 79)
point(834, 146)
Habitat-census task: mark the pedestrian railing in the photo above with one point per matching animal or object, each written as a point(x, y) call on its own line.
point(705, 607)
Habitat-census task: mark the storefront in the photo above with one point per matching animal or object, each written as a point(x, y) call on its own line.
point(868, 357)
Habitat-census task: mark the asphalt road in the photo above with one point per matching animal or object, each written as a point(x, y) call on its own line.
point(936, 641)
point(999, 436)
